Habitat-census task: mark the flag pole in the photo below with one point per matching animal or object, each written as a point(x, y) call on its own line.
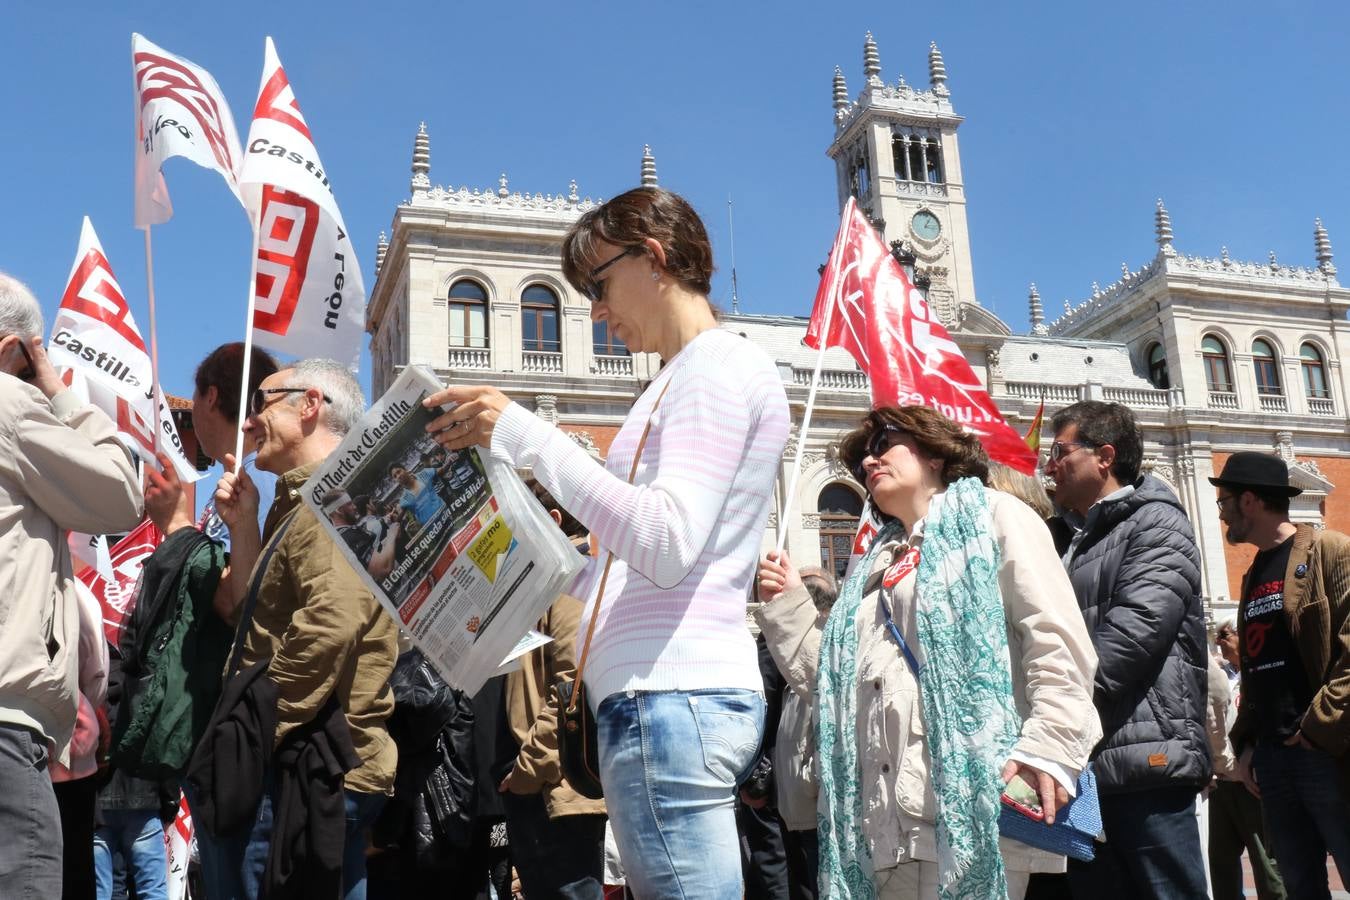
point(248, 341)
point(796, 472)
point(154, 339)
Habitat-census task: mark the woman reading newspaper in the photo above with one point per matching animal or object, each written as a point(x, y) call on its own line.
point(672, 665)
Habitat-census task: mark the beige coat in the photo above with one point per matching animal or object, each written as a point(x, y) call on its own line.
point(1052, 669)
point(61, 468)
point(532, 711)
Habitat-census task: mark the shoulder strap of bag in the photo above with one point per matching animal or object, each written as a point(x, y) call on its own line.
point(254, 588)
point(609, 557)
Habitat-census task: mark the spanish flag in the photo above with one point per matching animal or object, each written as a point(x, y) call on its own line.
point(1033, 436)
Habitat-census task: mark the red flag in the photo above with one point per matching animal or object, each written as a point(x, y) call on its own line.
point(117, 597)
point(886, 325)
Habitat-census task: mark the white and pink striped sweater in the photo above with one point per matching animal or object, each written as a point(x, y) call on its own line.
point(687, 533)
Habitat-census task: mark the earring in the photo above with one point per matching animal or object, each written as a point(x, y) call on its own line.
point(656, 276)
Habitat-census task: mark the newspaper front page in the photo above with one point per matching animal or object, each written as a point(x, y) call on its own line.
point(452, 544)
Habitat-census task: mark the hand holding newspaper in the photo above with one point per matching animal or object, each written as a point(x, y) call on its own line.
point(452, 544)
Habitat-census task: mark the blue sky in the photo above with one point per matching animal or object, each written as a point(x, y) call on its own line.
point(1077, 117)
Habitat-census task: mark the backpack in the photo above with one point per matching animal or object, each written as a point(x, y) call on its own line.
point(173, 651)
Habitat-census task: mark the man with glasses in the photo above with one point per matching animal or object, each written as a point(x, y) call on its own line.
point(325, 634)
point(62, 468)
point(1292, 732)
point(1136, 570)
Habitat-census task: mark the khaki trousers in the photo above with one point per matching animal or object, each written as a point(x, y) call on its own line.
point(918, 880)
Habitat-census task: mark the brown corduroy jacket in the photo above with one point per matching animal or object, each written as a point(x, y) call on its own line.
point(1317, 607)
point(532, 712)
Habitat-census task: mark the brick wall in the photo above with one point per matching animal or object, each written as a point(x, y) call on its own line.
point(1335, 512)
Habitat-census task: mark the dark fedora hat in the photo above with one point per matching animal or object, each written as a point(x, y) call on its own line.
point(1253, 469)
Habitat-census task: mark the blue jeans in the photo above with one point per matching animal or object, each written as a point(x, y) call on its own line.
point(670, 762)
point(1307, 816)
point(1152, 849)
point(233, 866)
point(137, 836)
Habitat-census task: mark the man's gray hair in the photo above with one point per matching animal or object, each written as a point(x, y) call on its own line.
point(19, 311)
point(336, 382)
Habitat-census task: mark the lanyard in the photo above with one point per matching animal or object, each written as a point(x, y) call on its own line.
point(894, 629)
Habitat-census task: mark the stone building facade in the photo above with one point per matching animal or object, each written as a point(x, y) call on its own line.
point(1215, 355)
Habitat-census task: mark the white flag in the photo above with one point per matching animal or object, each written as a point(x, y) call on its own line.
point(180, 111)
point(95, 338)
point(310, 298)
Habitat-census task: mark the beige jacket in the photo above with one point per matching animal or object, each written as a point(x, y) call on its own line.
point(1220, 713)
point(62, 469)
point(531, 697)
point(1053, 664)
point(326, 634)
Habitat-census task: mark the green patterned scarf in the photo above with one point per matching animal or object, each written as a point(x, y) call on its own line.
point(966, 686)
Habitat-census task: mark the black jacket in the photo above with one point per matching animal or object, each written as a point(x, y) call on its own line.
point(230, 763)
point(430, 817)
point(309, 824)
point(1136, 571)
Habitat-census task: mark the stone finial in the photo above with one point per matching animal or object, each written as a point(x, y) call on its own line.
point(1162, 227)
point(502, 189)
point(840, 90)
point(871, 60)
point(1322, 244)
point(648, 167)
point(381, 249)
point(937, 69)
point(1067, 307)
point(1223, 256)
point(572, 195)
point(421, 161)
point(1096, 289)
point(1274, 262)
point(1037, 312)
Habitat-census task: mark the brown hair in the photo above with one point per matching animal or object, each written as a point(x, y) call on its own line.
point(628, 220)
point(223, 369)
point(935, 435)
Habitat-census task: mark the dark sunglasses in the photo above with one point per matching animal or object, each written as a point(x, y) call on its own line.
point(257, 401)
point(882, 440)
point(29, 373)
point(595, 288)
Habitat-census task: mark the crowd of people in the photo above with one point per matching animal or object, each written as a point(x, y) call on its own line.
point(994, 649)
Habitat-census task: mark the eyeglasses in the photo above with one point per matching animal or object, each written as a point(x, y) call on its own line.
point(1220, 501)
point(29, 373)
point(1058, 449)
point(257, 401)
point(881, 441)
point(595, 288)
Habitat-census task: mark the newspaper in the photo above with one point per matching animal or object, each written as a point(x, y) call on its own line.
point(453, 544)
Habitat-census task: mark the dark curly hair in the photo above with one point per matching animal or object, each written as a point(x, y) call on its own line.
point(935, 435)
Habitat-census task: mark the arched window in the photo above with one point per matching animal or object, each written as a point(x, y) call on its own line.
point(1157, 367)
point(840, 510)
point(1314, 372)
point(1218, 373)
point(539, 320)
point(468, 314)
point(604, 342)
point(1267, 368)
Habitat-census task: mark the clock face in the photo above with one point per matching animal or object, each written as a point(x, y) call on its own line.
point(925, 225)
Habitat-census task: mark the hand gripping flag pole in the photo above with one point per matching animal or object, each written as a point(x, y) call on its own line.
point(833, 279)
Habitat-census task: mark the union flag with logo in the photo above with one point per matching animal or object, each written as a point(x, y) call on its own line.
point(96, 343)
point(309, 295)
point(180, 111)
point(117, 595)
point(885, 324)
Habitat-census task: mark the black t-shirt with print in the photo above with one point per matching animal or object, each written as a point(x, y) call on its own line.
point(1274, 685)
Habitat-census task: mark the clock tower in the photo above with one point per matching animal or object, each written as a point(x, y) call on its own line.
point(895, 150)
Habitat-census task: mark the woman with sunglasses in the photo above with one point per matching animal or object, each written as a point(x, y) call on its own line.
point(672, 672)
point(954, 661)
